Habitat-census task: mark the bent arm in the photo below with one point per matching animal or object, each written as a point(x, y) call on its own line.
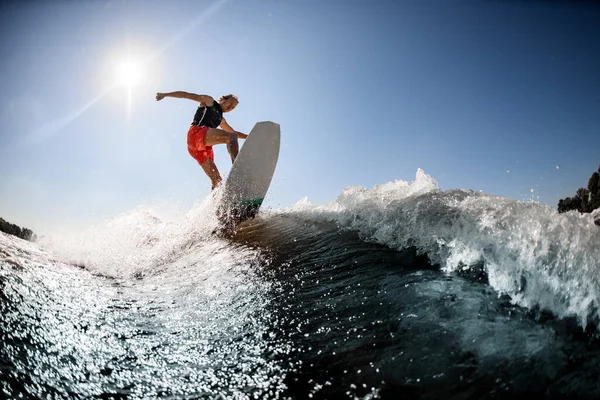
point(201, 98)
point(226, 127)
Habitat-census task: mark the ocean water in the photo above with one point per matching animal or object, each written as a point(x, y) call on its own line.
point(401, 291)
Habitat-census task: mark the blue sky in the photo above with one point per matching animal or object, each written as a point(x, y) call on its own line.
point(499, 96)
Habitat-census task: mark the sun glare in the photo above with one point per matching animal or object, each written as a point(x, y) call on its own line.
point(129, 73)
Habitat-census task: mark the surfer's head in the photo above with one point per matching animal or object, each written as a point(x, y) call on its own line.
point(228, 102)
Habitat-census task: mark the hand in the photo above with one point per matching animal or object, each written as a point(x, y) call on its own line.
point(160, 96)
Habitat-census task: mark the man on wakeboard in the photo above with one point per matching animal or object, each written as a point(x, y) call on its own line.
point(203, 134)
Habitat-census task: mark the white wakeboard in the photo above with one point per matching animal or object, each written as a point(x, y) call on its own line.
point(250, 176)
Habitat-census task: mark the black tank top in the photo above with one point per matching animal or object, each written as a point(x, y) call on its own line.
point(209, 116)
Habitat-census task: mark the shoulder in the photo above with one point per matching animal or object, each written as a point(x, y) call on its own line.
point(207, 101)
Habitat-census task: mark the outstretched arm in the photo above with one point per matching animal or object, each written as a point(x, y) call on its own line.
point(201, 98)
point(225, 126)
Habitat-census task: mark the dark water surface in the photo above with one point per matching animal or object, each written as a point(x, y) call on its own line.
point(311, 302)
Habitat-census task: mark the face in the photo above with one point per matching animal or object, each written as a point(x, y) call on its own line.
point(229, 104)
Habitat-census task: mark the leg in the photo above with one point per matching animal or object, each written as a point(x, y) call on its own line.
point(213, 173)
point(218, 136)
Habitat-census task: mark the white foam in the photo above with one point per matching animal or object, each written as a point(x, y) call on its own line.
point(134, 243)
point(530, 252)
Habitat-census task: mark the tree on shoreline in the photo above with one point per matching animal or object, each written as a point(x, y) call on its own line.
point(585, 200)
point(15, 230)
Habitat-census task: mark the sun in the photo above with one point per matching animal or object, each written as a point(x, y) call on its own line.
point(129, 73)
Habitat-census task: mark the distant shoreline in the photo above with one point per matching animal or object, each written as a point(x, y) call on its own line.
point(15, 230)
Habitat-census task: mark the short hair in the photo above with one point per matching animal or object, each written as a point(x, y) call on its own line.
point(227, 97)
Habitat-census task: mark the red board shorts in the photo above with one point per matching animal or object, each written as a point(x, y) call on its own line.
point(196, 147)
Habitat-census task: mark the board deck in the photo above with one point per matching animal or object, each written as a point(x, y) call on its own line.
point(251, 174)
